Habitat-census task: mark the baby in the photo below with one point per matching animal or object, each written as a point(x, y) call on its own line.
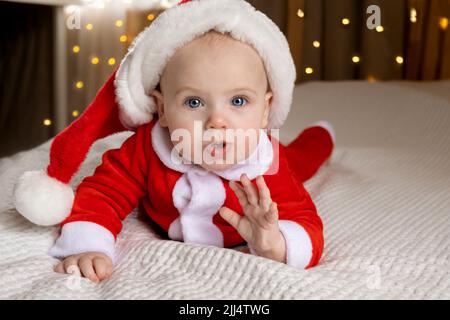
point(216, 187)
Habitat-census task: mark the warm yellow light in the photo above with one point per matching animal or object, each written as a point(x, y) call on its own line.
point(76, 49)
point(413, 15)
point(300, 13)
point(119, 23)
point(356, 59)
point(95, 60)
point(47, 122)
point(309, 70)
point(316, 44)
point(89, 26)
point(151, 17)
point(79, 84)
point(399, 59)
point(75, 113)
point(371, 79)
point(345, 21)
point(443, 23)
point(123, 38)
point(379, 29)
point(111, 61)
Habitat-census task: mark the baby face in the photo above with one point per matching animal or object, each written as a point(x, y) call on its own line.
point(215, 90)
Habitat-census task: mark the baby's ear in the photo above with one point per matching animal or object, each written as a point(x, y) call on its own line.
point(159, 101)
point(267, 106)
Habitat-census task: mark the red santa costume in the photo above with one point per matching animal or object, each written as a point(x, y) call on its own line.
point(182, 198)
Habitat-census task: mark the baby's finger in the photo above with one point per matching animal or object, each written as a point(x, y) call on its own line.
point(87, 269)
point(69, 264)
point(59, 268)
point(250, 190)
point(100, 267)
point(264, 193)
point(272, 215)
point(230, 216)
point(240, 193)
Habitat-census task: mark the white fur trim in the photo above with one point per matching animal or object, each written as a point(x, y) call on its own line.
point(175, 232)
point(199, 194)
point(327, 126)
point(41, 199)
point(140, 70)
point(83, 236)
point(298, 244)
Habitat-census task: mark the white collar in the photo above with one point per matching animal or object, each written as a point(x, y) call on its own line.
point(257, 164)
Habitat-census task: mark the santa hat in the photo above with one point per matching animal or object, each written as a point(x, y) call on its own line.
point(124, 102)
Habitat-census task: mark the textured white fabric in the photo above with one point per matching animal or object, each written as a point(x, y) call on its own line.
point(384, 200)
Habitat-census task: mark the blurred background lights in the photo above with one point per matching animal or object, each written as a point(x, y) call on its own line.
point(413, 15)
point(95, 60)
point(443, 23)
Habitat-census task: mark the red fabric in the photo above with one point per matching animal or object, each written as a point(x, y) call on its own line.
point(184, 1)
point(100, 119)
point(122, 182)
point(309, 151)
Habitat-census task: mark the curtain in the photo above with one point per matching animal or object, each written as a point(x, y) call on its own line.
point(330, 39)
point(26, 90)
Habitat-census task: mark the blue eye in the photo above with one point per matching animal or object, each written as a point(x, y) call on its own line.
point(193, 103)
point(239, 101)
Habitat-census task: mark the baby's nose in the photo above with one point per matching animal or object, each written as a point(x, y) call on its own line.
point(216, 120)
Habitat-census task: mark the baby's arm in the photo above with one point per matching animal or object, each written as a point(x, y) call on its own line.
point(290, 234)
point(101, 202)
point(287, 227)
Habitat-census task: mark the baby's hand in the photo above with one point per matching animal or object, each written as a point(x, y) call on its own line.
point(259, 225)
point(95, 266)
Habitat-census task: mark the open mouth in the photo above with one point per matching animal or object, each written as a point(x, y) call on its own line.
point(217, 149)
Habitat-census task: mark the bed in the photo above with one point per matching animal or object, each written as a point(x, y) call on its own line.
point(384, 198)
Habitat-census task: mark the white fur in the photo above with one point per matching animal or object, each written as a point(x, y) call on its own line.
point(41, 199)
point(83, 236)
point(199, 194)
point(298, 244)
point(140, 70)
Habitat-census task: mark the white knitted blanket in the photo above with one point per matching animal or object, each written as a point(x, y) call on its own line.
point(384, 200)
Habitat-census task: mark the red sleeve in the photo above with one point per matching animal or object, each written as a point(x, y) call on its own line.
point(298, 218)
point(117, 185)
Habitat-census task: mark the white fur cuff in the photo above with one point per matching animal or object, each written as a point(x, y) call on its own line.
point(83, 236)
point(298, 244)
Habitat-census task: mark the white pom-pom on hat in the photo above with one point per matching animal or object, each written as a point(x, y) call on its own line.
point(42, 199)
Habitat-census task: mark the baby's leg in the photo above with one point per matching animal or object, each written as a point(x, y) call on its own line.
point(311, 149)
